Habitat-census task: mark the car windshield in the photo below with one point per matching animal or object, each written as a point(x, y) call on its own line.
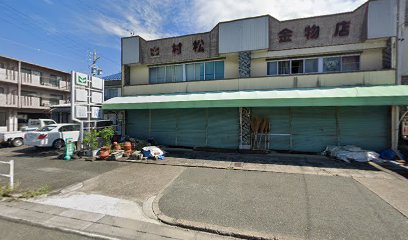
point(46, 129)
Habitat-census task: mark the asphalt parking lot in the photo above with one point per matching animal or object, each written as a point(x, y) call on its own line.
point(290, 205)
point(35, 168)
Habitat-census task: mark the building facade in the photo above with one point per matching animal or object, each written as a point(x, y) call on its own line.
point(28, 90)
point(261, 83)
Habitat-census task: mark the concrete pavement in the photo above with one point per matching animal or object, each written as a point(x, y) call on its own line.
point(93, 225)
point(36, 168)
point(263, 204)
point(19, 231)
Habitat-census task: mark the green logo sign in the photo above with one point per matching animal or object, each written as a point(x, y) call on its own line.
point(81, 79)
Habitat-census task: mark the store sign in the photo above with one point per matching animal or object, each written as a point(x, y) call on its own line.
point(97, 83)
point(81, 111)
point(81, 79)
point(96, 97)
point(96, 112)
point(81, 95)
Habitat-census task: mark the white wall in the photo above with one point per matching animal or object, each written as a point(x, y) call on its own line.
point(244, 35)
point(130, 50)
point(382, 19)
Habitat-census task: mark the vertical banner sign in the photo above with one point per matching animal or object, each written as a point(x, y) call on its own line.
point(86, 99)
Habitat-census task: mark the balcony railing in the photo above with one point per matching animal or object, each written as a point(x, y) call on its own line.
point(8, 75)
point(8, 100)
point(322, 80)
point(31, 102)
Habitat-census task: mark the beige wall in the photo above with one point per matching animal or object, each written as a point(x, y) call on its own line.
point(231, 66)
point(258, 67)
point(371, 59)
point(139, 74)
point(369, 78)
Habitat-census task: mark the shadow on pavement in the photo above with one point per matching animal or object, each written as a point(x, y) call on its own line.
point(36, 152)
point(277, 159)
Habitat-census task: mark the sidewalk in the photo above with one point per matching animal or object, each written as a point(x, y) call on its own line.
point(277, 162)
point(94, 225)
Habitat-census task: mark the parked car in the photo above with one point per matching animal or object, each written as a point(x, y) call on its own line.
point(34, 124)
point(16, 139)
point(52, 135)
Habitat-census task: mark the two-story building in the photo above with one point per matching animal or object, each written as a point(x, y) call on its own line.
point(310, 82)
point(28, 90)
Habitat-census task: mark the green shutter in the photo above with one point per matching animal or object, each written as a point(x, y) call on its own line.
point(223, 128)
point(366, 127)
point(313, 128)
point(137, 123)
point(163, 126)
point(191, 130)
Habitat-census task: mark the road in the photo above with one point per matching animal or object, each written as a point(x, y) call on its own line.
point(286, 205)
point(35, 168)
point(20, 231)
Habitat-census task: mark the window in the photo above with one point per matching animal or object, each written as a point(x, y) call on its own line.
point(272, 68)
point(331, 64)
point(284, 67)
point(193, 72)
point(350, 63)
point(219, 70)
point(111, 93)
point(209, 71)
point(297, 66)
point(312, 65)
point(49, 122)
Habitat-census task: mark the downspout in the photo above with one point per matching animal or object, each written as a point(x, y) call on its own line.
point(395, 123)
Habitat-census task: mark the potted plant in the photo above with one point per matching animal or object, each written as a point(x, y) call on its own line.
point(91, 141)
point(106, 134)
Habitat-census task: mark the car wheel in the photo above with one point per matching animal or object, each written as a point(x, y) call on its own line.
point(58, 144)
point(17, 142)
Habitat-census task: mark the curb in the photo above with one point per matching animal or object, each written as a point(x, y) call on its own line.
point(387, 171)
point(226, 231)
point(61, 229)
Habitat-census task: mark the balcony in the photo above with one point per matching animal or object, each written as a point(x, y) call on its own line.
point(8, 100)
point(8, 75)
point(38, 81)
point(32, 102)
point(322, 80)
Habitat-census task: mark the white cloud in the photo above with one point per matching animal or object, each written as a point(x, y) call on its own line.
point(157, 19)
point(209, 12)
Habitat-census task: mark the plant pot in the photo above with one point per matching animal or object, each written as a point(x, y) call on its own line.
point(116, 146)
point(127, 147)
point(104, 153)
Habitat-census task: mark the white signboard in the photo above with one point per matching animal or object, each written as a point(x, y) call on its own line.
point(97, 83)
point(96, 112)
point(96, 97)
point(81, 79)
point(81, 95)
point(81, 112)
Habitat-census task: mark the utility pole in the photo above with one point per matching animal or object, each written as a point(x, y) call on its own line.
point(96, 72)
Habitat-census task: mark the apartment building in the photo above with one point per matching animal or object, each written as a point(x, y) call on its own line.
point(318, 81)
point(28, 90)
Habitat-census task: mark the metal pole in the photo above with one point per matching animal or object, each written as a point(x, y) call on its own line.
point(11, 174)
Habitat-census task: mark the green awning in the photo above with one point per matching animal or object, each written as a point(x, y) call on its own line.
point(347, 96)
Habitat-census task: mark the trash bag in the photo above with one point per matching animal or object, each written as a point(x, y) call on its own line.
point(152, 151)
point(388, 154)
point(351, 153)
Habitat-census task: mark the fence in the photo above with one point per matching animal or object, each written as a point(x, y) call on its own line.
point(11, 172)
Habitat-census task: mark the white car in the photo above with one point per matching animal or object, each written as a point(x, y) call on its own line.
point(53, 135)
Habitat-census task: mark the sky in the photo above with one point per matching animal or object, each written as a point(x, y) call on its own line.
point(61, 33)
